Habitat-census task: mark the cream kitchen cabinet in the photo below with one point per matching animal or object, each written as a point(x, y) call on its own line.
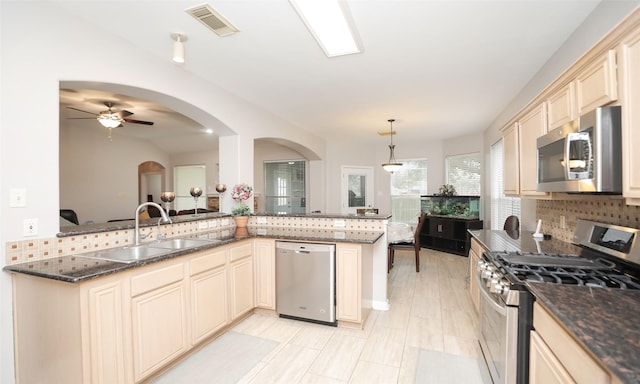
point(561, 107)
point(531, 126)
point(83, 338)
point(209, 303)
point(475, 254)
point(264, 256)
point(241, 288)
point(630, 85)
point(348, 283)
point(159, 317)
point(511, 161)
point(556, 357)
point(597, 84)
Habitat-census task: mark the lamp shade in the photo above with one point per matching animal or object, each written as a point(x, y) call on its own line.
point(392, 165)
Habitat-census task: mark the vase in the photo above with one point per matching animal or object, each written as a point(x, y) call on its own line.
point(241, 221)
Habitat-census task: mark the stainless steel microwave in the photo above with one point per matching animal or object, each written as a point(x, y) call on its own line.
point(583, 155)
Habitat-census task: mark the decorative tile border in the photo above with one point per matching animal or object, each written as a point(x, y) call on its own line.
point(42, 249)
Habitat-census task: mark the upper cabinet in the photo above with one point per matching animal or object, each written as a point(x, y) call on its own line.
point(561, 106)
point(532, 125)
point(511, 161)
point(630, 94)
point(594, 86)
point(597, 85)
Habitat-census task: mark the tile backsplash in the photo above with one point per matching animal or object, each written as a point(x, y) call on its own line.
point(603, 209)
point(46, 248)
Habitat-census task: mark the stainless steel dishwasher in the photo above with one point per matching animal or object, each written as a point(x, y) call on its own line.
point(305, 281)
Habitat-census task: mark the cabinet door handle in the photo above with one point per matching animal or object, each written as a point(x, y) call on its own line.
point(439, 227)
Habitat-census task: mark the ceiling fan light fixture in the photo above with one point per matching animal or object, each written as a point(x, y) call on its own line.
point(109, 120)
point(178, 47)
point(392, 165)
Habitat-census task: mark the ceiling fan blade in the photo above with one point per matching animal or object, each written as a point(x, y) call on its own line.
point(138, 121)
point(80, 110)
point(124, 113)
point(81, 118)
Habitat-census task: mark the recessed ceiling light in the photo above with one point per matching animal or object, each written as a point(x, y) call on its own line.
point(330, 23)
point(209, 131)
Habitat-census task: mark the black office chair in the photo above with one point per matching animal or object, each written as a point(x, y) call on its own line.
point(407, 246)
point(69, 215)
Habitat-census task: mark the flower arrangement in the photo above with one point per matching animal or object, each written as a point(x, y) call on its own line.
point(240, 193)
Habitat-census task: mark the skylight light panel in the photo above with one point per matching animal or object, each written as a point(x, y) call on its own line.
point(330, 24)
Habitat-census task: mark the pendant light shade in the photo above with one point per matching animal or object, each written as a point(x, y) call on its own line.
point(392, 165)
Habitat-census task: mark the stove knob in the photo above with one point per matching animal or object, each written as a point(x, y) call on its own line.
point(493, 285)
point(488, 272)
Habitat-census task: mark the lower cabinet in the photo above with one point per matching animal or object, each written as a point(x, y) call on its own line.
point(475, 254)
point(348, 283)
point(264, 256)
point(209, 304)
point(240, 279)
point(159, 318)
point(448, 234)
point(556, 357)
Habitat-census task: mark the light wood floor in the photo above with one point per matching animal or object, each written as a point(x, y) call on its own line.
point(429, 310)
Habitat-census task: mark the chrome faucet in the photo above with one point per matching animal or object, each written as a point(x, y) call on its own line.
point(164, 219)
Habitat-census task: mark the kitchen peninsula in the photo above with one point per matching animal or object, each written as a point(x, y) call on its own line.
point(125, 322)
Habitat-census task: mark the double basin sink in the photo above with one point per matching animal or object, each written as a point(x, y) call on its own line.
point(133, 253)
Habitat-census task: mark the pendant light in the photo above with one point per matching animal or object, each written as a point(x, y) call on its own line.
point(392, 165)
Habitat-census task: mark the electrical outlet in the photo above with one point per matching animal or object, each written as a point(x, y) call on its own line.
point(339, 223)
point(213, 223)
point(30, 227)
point(262, 220)
point(224, 222)
point(339, 235)
point(17, 197)
point(203, 224)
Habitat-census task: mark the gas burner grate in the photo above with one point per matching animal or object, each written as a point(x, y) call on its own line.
point(563, 269)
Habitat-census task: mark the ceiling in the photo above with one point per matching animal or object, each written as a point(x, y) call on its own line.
point(440, 68)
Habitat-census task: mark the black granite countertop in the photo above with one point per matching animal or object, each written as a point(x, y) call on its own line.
point(603, 320)
point(496, 240)
point(81, 267)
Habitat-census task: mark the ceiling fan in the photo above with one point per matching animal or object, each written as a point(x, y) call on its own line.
point(111, 118)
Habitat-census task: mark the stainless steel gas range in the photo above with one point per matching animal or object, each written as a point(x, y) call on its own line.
point(604, 256)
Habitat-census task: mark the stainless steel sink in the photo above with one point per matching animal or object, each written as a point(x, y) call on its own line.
point(179, 243)
point(128, 254)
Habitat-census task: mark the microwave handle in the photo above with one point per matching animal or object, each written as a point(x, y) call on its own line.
point(567, 154)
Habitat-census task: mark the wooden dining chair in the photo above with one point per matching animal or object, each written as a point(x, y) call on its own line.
point(512, 223)
point(407, 246)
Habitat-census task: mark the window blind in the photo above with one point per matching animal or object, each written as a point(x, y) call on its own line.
point(463, 172)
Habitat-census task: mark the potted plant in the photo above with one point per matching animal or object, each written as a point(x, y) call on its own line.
point(239, 194)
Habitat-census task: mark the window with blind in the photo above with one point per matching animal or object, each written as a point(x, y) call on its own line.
point(407, 185)
point(501, 205)
point(463, 172)
point(285, 187)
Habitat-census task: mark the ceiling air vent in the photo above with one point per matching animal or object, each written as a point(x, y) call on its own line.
point(212, 19)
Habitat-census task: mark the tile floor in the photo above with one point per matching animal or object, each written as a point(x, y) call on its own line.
point(430, 310)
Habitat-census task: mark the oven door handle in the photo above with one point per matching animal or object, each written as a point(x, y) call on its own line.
point(501, 309)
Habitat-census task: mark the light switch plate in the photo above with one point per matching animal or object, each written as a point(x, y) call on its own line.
point(262, 220)
point(339, 223)
point(203, 224)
